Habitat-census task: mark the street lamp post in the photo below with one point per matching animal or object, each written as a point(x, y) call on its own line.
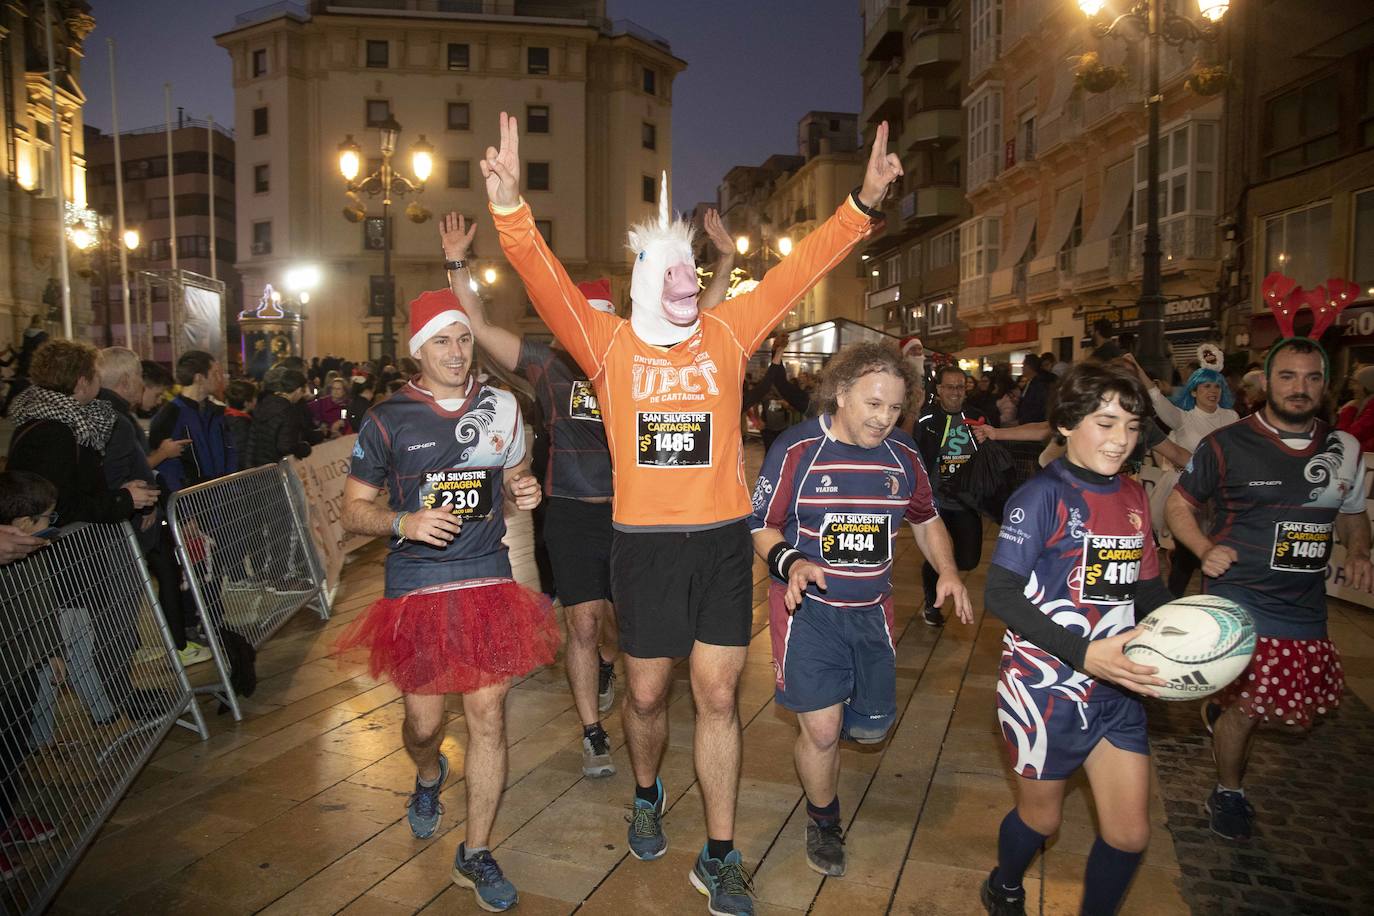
point(386, 183)
point(1153, 21)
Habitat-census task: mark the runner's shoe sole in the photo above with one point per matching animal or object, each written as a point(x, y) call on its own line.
point(463, 880)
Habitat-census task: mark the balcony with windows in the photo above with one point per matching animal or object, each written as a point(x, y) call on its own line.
point(1182, 240)
point(883, 30)
point(934, 52)
point(933, 127)
point(973, 294)
point(1007, 287)
point(926, 206)
point(883, 99)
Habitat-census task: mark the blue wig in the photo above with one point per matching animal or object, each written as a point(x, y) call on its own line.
point(1183, 395)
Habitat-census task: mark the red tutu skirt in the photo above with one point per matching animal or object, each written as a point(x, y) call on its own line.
point(456, 638)
point(1289, 681)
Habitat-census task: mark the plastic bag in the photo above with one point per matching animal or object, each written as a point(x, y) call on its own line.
point(986, 481)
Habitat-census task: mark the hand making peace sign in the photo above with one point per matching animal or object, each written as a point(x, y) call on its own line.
point(501, 168)
point(883, 169)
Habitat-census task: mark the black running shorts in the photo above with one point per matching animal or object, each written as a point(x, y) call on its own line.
point(672, 589)
point(577, 535)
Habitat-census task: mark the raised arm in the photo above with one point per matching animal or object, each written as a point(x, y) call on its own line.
point(715, 291)
point(502, 345)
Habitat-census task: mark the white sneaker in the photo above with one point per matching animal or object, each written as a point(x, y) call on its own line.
point(193, 654)
point(596, 756)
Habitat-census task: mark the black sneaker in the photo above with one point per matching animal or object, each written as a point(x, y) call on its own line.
point(1211, 711)
point(596, 755)
point(999, 901)
point(933, 617)
point(605, 687)
point(1231, 814)
point(825, 848)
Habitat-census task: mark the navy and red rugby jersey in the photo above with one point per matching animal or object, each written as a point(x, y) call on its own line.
point(1082, 547)
point(579, 465)
point(841, 506)
point(428, 457)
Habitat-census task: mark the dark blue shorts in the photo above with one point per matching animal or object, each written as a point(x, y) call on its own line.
point(1048, 735)
point(405, 574)
point(824, 655)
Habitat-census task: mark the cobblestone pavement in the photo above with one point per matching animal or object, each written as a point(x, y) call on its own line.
point(1314, 816)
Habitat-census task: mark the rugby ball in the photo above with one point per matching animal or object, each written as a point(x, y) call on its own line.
point(1199, 644)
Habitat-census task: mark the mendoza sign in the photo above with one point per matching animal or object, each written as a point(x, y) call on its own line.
point(322, 475)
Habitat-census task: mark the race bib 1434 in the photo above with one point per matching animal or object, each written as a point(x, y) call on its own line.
point(856, 539)
point(467, 493)
point(673, 440)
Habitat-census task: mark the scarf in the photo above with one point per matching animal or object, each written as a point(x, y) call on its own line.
point(90, 423)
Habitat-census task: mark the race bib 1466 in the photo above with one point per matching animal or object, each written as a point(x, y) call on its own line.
point(468, 494)
point(856, 539)
point(1301, 546)
point(673, 440)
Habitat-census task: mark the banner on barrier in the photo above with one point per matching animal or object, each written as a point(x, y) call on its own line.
point(323, 475)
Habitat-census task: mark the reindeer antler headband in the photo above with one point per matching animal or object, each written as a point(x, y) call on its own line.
point(1286, 298)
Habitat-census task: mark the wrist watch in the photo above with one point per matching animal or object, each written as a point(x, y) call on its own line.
point(870, 212)
point(455, 265)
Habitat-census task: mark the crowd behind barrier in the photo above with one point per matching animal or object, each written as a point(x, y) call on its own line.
point(89, 686)
point(245, 545)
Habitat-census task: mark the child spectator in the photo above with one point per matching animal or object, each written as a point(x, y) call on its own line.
point(242, 397)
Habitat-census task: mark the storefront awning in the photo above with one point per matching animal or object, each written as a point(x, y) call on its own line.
point(1117, 187)
point(1020, 238)
point(1066, 207)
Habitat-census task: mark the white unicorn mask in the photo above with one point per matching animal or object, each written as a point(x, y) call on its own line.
point(663, 285)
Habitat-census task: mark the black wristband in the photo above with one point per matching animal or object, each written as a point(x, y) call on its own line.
point(455, 265)
point(780, 559)
point(866, 210)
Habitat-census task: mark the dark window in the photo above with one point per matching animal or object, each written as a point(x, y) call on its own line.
point(457, 57)
point(158, 250)
point(378, 53)
point(259, 121)
point(647, 189)
point(650, 81)
point(536, 176)
point(545, 227)
point(834, 125)
point(262, 238)
point(261, 180)
point(648, 135)
point(375, 234)
point(157, 208)
point(1301, 127)
point(259, 61)
point(459, 115)
point(537, 61)
point(459, 173)
point(377, 112)
point(536, 119)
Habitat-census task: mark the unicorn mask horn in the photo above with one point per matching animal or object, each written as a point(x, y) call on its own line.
point(663, 285)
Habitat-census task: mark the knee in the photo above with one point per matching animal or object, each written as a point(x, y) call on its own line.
point(821, 739)
point(1043, 819)
point(487, 721)
point(1132, 837)
point(584, 626)
point(715, 699)
point(646, 702)
point(423, 728)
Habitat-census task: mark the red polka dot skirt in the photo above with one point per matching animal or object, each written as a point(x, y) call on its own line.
point(1289, 681)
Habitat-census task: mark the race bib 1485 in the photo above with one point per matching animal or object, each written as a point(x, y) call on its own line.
point(673, 440)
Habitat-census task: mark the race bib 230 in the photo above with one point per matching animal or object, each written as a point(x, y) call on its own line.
point(467, 494)
point(673, 440)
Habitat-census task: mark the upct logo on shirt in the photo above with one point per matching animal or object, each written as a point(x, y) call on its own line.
point(655, 379)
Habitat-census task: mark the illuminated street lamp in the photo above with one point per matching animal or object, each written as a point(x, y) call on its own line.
point(1153, 21)
point(132, 239)
point(81, 236)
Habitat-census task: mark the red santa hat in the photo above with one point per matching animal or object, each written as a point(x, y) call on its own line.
point(430, 313)
point(910, 343)
point(598, 293)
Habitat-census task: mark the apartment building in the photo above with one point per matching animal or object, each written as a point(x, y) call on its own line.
point(594, 100)
point(914, 73)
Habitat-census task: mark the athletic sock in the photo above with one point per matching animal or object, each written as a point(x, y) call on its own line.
point(719, 849)
point(468, 852)
point(1238, 790)
point(429, 783)
point(826, 816)
point(1108, 874)
point(1017, 844)
point(647, 793)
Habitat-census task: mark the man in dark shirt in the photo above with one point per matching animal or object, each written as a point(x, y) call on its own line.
point(1104, 348)
point(1035, 398)
point(577, 482)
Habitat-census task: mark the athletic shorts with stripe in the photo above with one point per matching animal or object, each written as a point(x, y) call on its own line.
point(1048, 735)
point(824, 655)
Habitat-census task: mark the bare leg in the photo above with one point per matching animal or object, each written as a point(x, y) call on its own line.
point(1040, 803)
point(646, 714)
point(485, 764)
point(423, 731)
point(716, 745)
point(818, 753)
point(1231, 745)
point(610, 634)
point(584, 626)
point(1120, 781)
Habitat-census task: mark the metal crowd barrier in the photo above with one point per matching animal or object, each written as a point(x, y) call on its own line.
point(81, 707)
point(245, 547)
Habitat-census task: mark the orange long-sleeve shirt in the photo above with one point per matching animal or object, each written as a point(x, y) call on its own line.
point(672, 413)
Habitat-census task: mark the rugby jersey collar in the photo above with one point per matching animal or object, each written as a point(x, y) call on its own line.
point(426, 397)
point(1268, 430)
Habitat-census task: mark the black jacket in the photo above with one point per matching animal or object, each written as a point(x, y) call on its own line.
point(278, 430)
point(49, 449)
point(126, 457)
point(930, 434)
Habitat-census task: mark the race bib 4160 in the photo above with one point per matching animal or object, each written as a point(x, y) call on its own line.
point(468, 494)
point(1301, 546)
point(1111, 566)
point(856, 539)
point(673, 440)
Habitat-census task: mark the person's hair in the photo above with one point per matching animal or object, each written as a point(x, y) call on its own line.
point(1103, 326)
point(1047, 358)
point(329, 386)
point(854, 362)
point(118, 366)
point(155, 375)
point(1031, 362)
point(949, 369)
point(282, 380)
point(330, 376)
point(291, 362)
point(367, 384)
point(23, 494)
point(193, 363)
point(408, 367)
point(1296, 344)
point(59, 364)
point(239, 392)
point(1086, 387)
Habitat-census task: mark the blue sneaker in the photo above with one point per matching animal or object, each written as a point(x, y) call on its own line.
point(646, 827)
point(423, 809)
point(481, 873)
point(726, 884)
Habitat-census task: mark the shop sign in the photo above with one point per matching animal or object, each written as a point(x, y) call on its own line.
point(1187, 312)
